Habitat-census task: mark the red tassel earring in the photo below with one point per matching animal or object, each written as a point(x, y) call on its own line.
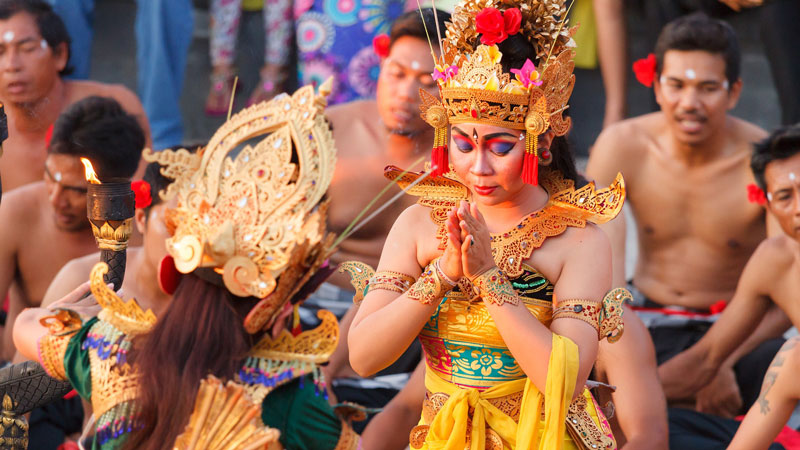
point(530, 163)
point(440, 163)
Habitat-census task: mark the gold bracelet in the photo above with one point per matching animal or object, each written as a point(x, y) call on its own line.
point(494, 287)
point(585, 310)
point(390, 281)
point(52, 349)
point(429, 288)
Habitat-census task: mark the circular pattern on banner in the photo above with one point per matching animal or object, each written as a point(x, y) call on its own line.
point(343, 13)
point(362, 72)
point(378, 15)
point(315, 33)
point(315, 71)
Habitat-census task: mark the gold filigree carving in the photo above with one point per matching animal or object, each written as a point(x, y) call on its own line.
point(314, 345)
point(128, 317)
point(111, 237)
point(360, 274)
point(584, 430)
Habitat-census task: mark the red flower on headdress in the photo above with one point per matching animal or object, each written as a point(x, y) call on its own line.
point(380, 44)
point(495, 26)
point(755, 194)
point(645, 70)
point(141, 189)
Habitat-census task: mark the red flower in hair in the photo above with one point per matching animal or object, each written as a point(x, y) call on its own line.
point(141, 189)
point(380, 44)
point(645, 70)
point(755, 194)
point(495, 26)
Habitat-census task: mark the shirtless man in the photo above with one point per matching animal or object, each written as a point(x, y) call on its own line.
point(686, 171)
point(141, 270)
point(44, 224)
point(771, 275)
point(34, 49)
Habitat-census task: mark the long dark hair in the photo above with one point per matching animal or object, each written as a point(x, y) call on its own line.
point(200, 333)
point(516, 50)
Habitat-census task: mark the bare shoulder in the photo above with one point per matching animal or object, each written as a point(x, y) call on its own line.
point(359, 111)
point(746, 132)
point(619, 148)
point(22, 205)
point(776, 253)
point(126, 98)
point(590, 236)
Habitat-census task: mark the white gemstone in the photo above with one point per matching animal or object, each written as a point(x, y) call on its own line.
point(191, 185)
point(582, 199)
point(290, 227)
point(262, 285)
point(359, 270)
point(227, 173)
point(242, 202)
point(305, 114)
point(277, 143)
point(303, 101)
point(287, 107)
point(280, 175)
point(511, 260)
point(247, 237)
point(279, 195)
point(206, 219)
point(246, 158)
point(251, 254)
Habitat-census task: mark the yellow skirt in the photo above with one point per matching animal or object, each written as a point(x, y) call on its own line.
point(513, 415)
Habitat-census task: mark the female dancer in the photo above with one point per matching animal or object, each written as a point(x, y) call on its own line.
point(248, 235)
point(496, 269)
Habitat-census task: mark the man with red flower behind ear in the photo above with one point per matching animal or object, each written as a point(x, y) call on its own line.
point(686, 169)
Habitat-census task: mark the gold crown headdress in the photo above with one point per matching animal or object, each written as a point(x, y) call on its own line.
point(474, 88)
point(255, 215)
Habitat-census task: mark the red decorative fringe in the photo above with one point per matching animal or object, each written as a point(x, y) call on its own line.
point(530, 169)
point(440, 164)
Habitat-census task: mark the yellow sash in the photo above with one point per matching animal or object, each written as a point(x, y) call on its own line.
point(448, 431)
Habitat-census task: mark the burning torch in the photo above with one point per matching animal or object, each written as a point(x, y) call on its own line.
point(110, 207)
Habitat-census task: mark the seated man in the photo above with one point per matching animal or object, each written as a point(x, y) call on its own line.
point(34, 49)
point(44, 224)
point(371, 134)
point(772, 275)
point(686, 172)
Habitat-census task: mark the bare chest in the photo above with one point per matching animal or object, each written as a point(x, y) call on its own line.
point(22, 162)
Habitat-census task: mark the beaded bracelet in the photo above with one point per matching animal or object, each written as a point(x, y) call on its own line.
point(494, 287)
point(429, 287)
point(390, 281)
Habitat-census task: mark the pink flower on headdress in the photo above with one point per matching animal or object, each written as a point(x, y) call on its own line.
point(494, 26)
point(755, 194)
point(448, 73)
point(527, 75)
point(645, 70)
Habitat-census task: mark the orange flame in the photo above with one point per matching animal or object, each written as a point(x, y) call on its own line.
point(91, 177)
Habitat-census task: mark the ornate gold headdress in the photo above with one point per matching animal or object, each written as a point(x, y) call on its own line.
point(255, 215)
point(474, 88)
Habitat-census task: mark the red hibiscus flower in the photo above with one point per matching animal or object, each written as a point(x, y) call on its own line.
point(141, 190)
point(755, 194)
point(645, 70)
point(380, 44)
point(495, 26)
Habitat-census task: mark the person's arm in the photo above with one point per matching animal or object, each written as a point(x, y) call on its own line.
point(726, 337)
point(389, 430)
point(779, 395)
point(70, 276)
point(639, 403)
point(585, 275)
point(612, 48)
point(605, 162)
point(386, 323)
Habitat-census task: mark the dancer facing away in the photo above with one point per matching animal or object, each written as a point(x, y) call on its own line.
point(496, 270)
point(248, 237)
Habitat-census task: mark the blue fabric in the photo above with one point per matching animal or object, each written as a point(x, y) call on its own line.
point(334, 38)
point(78, 17)
point(163, 35)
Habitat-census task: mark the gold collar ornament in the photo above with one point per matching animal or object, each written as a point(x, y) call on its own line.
point(474, 89)
point(255, 211)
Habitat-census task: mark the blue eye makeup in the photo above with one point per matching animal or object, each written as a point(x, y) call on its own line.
point(462, 143)
point(499, 147)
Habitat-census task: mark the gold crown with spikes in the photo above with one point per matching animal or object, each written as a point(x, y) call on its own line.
point(474, 88)
point(251, 204)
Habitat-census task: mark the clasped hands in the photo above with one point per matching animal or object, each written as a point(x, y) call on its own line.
point(469, 251)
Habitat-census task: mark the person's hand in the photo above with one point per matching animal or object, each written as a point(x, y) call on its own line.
point(476, 249)
point(450, 262)
point(683, 375)
point(79, 300)
point(721, 397)
point(737, 5)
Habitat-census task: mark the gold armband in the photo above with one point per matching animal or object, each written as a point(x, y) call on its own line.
point(430, 287)
point(390, 281)
point(494, 287)
point(605, 317)
point(585, 310)
point(53, 346)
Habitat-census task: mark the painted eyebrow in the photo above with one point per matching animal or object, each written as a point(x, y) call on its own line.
point(497, 135)
point(459, 131)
